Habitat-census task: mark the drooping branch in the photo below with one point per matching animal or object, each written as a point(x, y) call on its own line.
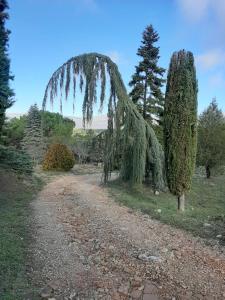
point(129, 137)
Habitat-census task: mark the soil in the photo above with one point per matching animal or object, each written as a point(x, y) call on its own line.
point(87, 246)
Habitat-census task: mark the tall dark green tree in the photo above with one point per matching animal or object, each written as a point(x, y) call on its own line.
point(6, 92)
point(147, 80)
point(180, 122)
point(33, 142)
point(211, 138)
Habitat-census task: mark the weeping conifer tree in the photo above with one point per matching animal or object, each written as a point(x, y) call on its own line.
point(180, 122)
point(139, 144)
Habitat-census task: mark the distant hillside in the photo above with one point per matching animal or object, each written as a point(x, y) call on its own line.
point(98, 122)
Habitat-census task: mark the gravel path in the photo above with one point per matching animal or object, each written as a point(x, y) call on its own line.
point(86, 246)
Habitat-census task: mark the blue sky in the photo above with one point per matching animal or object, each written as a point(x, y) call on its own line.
point(46, 33)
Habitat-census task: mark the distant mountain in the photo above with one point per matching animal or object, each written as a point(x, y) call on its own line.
point(98, 122)
point(13, 115)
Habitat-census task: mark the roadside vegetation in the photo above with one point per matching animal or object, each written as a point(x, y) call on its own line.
point(17, 192)
point(205, 211)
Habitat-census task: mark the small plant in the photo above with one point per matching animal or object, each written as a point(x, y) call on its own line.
point(58, 157)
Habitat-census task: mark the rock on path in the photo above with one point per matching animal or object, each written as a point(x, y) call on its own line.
point(86, 246)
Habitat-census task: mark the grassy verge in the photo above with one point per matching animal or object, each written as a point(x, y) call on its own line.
point(205, 211)
point(16, 194)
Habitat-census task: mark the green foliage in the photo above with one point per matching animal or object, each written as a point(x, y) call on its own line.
point(200, 209)
point(56, 128)
point(211, 138)
point(124, 120)
point(97, 147)
point(82, 144)
point(33, 142)
point(16, 195)
point(83, 134)
point(13, 131)
point(159, 133)
point(58, 157)
point(147, 80)
point(6, 92)
point(180, 122)
point(16, 160)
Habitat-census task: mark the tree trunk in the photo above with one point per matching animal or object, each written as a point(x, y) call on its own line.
point(181, 203)
point(208, 171)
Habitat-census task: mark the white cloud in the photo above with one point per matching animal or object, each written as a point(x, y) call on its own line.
point(212, 63)
point(197, 10)
point(210, 59)
point(219, 8)
point(194, 10)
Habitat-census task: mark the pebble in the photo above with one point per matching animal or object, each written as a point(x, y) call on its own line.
point(136, 294)
point(46, 292)
point(124, 289)
point(150, 297)
point(146, 257)
point(149, 288)
point(207, 225)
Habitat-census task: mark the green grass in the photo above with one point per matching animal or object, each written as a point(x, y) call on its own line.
point(15, 197)
point(205, 203)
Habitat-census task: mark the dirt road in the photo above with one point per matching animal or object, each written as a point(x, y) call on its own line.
point(86, 246)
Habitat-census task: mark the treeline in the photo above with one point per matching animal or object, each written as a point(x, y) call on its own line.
point(146, 93)
point(136, 122)
point(52, 127)
point(37, 130)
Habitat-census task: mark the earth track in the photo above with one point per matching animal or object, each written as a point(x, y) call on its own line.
point(86, 246)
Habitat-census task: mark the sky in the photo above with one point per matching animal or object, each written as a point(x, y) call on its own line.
point(46, 33)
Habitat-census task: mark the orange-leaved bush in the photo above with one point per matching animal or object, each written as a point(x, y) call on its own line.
point(58, 157)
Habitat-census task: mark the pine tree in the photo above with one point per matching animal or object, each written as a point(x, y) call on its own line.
point(211, 138)
point(180, 121)
point(33, 142)
point(147, 80)
point(6, 92)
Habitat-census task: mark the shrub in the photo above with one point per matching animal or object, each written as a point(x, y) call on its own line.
point(58, 157)
point(16, 160)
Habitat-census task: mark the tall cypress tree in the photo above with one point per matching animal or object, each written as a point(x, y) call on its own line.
point(147, 80)
point(6, 92)
point(180, 121)
point(33, 142)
